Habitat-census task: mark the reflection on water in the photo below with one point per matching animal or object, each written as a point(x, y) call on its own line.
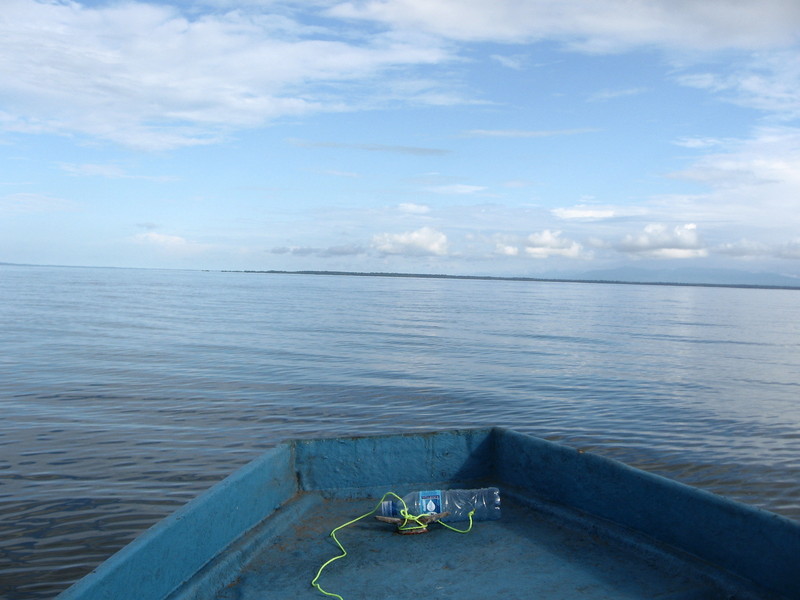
point(128, 392)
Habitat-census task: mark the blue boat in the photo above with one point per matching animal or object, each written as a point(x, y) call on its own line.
point(573, 525)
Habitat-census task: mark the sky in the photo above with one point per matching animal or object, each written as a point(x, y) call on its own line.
point(511, 137)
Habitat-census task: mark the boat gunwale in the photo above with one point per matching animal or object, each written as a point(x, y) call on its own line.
point(551, 472)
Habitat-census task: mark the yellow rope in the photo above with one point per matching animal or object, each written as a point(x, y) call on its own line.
point(467, 530)
point(338, 543)
point(407, 518)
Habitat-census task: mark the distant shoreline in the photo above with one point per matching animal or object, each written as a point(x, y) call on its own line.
point(609, 281)
point(511, 278)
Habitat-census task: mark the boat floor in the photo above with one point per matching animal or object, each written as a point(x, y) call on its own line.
point(525, 554)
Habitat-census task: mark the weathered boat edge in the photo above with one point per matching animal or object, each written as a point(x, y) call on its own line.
point(327, 464)
point(758, 546)
point(217, 573)
point(648, 550)
point(176, 548)
point(740, 539)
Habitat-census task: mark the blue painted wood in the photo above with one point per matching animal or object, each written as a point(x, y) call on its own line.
point(223, 568)
point(172, 551)
point(753, 543)
point(383, 462)
point(576, 519)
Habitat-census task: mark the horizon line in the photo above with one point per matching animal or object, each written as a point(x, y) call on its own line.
point(521, 278)
point(507, 278)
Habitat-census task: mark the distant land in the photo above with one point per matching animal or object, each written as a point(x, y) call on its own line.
point(627, 276)
point(679, 277)
point(694, 276)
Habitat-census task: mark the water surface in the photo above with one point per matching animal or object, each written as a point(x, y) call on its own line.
point(126, 392)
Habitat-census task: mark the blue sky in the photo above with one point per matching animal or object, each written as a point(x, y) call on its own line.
point(512, 137)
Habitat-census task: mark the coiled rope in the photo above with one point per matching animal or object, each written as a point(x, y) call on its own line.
point(409, 522)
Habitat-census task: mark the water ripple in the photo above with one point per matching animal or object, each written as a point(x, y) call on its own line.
point(129, 392)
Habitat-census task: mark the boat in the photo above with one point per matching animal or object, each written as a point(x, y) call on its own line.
point(573, 525)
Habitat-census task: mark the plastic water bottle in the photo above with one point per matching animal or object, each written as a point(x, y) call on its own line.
point(459, 503)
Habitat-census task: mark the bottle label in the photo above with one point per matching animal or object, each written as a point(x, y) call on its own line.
point(388, 508)
point(430, 502)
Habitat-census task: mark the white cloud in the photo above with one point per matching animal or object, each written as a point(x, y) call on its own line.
point(109, 171)
point(414, 209)
point(393, 149)
point(659, 241)
point(549, 243)
point(343, 250)
point(744, 249)
point(153, 77)
point(161, 239)
point(523, 133)
point(748, 249)
point(754, 183)
point(34, 203)
point(506, 249)
point(295, 250)
point(417, 89)
point(698, 143)
point(583, 212)
point(457, 188)
point(170, 244)
point(516, 183)
point(331, 252)
point(609, 26)
point(606, 95)
point(506, 244)
point(163, 76)
point(790, 250)
point(424, 241)
point(768, 81)
point(512, 62)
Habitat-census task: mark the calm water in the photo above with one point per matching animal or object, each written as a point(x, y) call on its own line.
point(124, 393)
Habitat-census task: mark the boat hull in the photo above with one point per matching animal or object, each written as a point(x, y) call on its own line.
point(574, 524)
